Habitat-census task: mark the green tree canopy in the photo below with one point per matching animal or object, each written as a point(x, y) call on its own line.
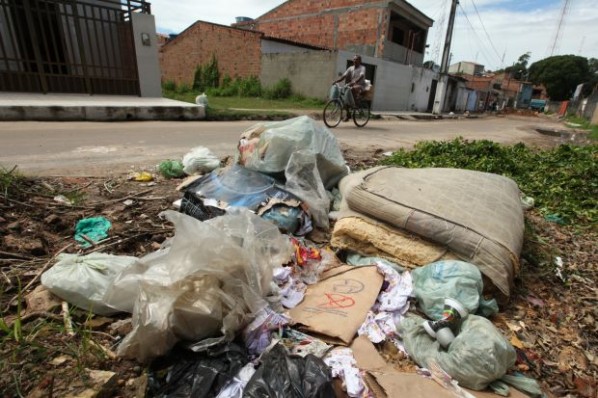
point(560, 75)
point(519, 69)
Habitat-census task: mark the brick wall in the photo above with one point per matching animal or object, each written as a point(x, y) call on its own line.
point(301, 7)
point(238, 52)
point(336, 24)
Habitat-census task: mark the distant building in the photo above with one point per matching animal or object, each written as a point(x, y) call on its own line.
point(391, 30)
point(466, 68)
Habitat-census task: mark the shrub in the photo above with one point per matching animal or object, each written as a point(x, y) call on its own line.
point(250, 87)
point(183, 88)
point(169, 85)
point(281, 90)
point(198, 83)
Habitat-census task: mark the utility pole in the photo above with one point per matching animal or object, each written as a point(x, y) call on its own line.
point(443, 81)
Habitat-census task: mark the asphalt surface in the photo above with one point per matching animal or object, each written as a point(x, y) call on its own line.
point(103, 149)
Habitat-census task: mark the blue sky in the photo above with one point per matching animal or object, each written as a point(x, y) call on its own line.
point(503, 27)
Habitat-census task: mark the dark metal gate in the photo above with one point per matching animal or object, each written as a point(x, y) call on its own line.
point(69, 46)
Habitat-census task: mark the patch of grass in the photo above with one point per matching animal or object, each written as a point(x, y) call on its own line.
point(10, 181)
point(584, 125)
point(294, 102)
point(563, 181)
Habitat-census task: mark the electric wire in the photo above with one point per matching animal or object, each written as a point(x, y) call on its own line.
point(485, 31)
point(482, 47)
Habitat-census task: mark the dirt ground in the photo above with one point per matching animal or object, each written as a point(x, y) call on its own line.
point(552, 318)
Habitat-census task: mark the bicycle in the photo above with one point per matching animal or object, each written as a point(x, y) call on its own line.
point(333, 111)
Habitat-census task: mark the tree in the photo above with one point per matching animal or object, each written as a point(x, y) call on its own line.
point(560, 75)
point(519, 69)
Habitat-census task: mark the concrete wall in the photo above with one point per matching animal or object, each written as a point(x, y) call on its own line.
point(397, 87)
point(311, 72)
point(238, 52)
point(146, 51)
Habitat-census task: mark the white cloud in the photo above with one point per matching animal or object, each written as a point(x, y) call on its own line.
point(512, 31)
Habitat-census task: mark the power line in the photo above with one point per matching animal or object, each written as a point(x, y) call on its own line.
point(485, 31)
point(472, 28)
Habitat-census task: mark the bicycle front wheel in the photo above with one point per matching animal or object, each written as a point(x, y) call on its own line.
point(361, 114)
point(333, 113)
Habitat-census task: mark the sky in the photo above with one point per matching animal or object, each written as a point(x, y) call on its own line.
point(493, 33)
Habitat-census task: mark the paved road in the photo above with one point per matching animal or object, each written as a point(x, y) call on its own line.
point(86, 148)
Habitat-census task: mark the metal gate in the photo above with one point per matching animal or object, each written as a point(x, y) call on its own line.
point(69, 46)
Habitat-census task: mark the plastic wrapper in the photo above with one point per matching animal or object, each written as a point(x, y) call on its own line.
point(478, 356)
point(84, 280)
point(205, 287)
point(281, 375)
point(234, 388)
point(305, 151)
point(237, 186)
point(197, 375)
point(451, 279)
point(200, 160)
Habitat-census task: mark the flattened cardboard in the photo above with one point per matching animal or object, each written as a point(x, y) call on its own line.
point(338, 304)
point(385, 381)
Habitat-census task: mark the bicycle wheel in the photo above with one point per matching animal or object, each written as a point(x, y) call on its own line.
point(361, 114)
point(333, 112)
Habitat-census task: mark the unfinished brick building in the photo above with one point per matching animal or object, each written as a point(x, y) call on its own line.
point(392, 30)
point(238, 52)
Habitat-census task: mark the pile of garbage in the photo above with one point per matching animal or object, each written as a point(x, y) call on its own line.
point(242, 301)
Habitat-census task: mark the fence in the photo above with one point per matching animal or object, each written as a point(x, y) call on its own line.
point(69, 46)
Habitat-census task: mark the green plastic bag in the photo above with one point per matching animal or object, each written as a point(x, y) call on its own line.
point(478, 356)
point(454, 279)
point(171, 169)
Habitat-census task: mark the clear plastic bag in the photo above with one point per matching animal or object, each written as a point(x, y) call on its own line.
point(454, 279)
point(83, 280)
point(478, 356)
point(204, 287)
point(305, 151)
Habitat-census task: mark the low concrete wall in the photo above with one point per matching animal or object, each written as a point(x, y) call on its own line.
point(100, 113)
point(397, 87)
point(311, 72)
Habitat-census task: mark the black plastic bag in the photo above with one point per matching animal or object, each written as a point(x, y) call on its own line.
point(284, 376)
point(197, 375)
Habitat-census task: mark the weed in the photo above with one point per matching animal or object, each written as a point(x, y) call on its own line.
point(281, 90)
point(169, 85)
point(10, 180)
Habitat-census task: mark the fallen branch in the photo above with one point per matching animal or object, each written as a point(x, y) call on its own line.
point(33, 315)
point(68, 323)
point(123, 240)
point(16, 255)
point(109, 353)
point(123, 198)
point(36, 277)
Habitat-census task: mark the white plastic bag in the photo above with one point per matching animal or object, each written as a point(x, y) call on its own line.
point(200, 160)
point(83, 280)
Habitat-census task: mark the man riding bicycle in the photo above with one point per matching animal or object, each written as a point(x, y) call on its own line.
point(354, 77)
